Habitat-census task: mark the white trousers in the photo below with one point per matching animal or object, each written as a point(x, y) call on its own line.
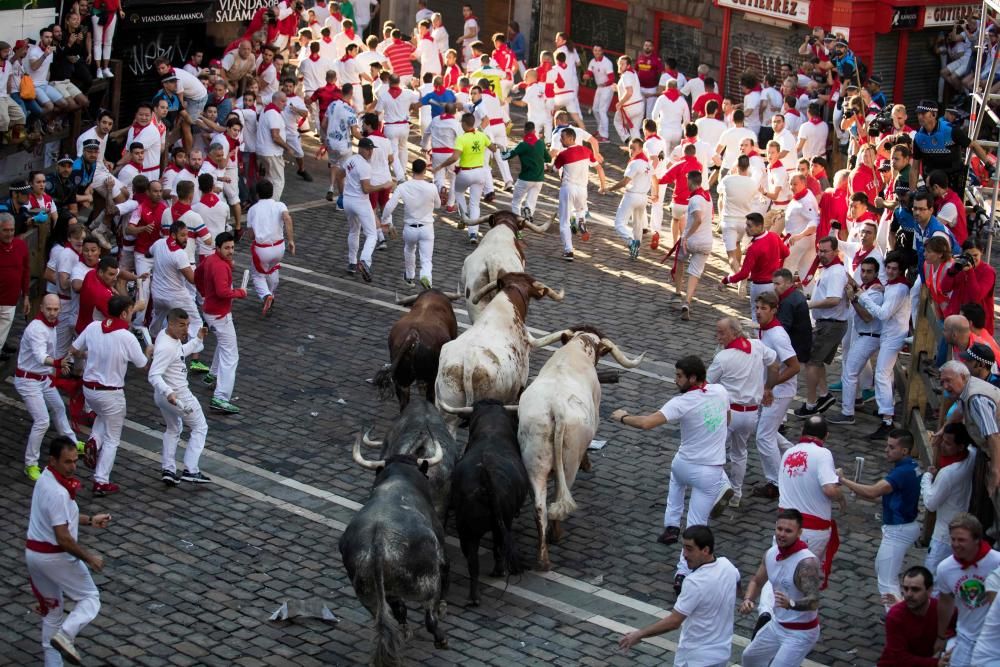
point(423, 238)
point(103, 36)
point(109, 406)
point(227, 354)
point(602, 102)
point(862, 348)
point(543, 125)
point(162, 306)
point(6, 319)
point(671, 138)
point(817, 540)
point(631, 210)
point(398, 134)
point(269, 256)
point(656, 210)
point(65, 327)
point(498, 135)
point(360, 217)
point(142, 265)
point(444, 178)
point(572, 199)
point(648, 101)
point(866, 378)
point(770, 443)
point(962, 649)
point(473, 180)
point(938, 552)
point(634, 112)
point(800, 257)
point(705, 482)
point(896, 541)
point(741, 427)
point(274, 171)
point(755, 291)
point(55, 577)
point(42, 399)
point(175, 421)
point(888, 351)
point(777, 646)
point(525, 194)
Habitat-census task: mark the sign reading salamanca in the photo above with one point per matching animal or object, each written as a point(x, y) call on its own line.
point(796, 11)
point(237, 10)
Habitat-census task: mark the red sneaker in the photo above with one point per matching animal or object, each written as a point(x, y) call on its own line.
point(90, 454)
point(101, 490)
point(654, 243)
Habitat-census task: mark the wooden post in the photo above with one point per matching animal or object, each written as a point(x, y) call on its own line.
point(924, 342)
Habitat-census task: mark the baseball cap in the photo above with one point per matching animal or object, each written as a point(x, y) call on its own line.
point(979, 352)
point(64, 159)
point(20, 44)
point(366, 143)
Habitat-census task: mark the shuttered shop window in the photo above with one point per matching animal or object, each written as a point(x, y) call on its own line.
point(923, 69)
point(886, 48)
point(759, 48)
point(682, 42)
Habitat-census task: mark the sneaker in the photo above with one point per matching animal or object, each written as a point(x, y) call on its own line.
point(568, 256)
point(409, 282)
point(268, 302)
point(686, 312)
point(508, 187)
point(305, 176)
point(169, 477)
point(867, 395)
point(526, 214)
point(670, 535)
point(102, 490)
point(365, 271)
point(64, 644)
point(108, 74)
point(769, 491)
point(654, 242)
point(882, 432)
point(804, 411)
point(81, 446)
point(720, 501)
point(633, 249)
point(351, 269)
point(825, 402)
point(33, 472)
point(195, 477)
point(572, 225)
point(734, 502)
point(678, 583)
point(836, 387)
point(840, 418)
point(329, 195)
point(340, 202)
point(100, 73)
point(426, 282)
point(196, 366)
point(473, 239)
point(209, 380)
point(762, 620)
point(582, 224)
point(382, 245)
point(222, 405)
point(90, 454)
point(489, 197)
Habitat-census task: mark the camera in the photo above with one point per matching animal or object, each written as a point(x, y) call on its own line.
point(848, 113)
point(962, 261)
point(882, 123)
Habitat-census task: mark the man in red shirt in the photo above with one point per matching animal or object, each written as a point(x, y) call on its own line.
point(911, 625)
point(96, 292)
point(805, 170)
point(324, 97)
point(648, 67)
point(948, 206)
point(677, 175)
point(15, 276)
point(214, 279)
point(765, 254)
point(709, 95)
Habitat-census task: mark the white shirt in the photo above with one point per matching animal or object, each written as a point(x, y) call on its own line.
point(37, 342)
point(108, 354)
point(639, 172)
point(92, 134)
point(582, 137)
point(570, 82)
point(777, 180)
point(702, 151)
point(340, 42)
point(269, 120)
point(751, 110)
point(214, 217)
point(51, 506)
point(151, 140)
point(708, 600)
point(968, 586)
point(420, 198)
point(777, 339)
point(859, 326)
point(314, 72)
point(654, 148)
point(948, 493)
point(340, 118)
point(572, 57)
point(440, 36)
point(327, 49)
point(671, 115)
point(265, 218)
point(667, 77)
point(67, 262)
point(442, 132)
point(736, 195)
point(629, 80)
point(430, 56)
point(364, 61)
point(189, 85)
point(793, 121)
point(575, 162)
point(290, 117)
point(815, 135)
point(740, 373)
point(602, 70)
point(357, 169)
point(831, 283)
point(701, 237)
point(53, 264)
point(710, 131)
point(489, 108)
point(39, 76)
point(703, 419)
point(801, 214)
point(788, 143)
point(335, 26)
point(167, 282)
point(249, 133)
point(730, 141)
point(805, 469)
point(893, 311)
point(472, 26)
point(396, 110)
point(379, 162)
point(168, 370)
point(988, 644)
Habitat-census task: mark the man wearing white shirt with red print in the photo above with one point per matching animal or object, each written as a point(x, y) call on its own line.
point(702, 412)
point(395, 104)
point(268, 222)
point(57, 564)
point(574, 162)
point(602, 72)
point(109, 347)
point(36, 365)
point(179, 407)
point(358, 209)
point(748, 369)
point(420, 198)
point(489, 117)
point(173, 272)
point(143, 131)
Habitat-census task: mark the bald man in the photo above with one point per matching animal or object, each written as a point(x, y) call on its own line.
point(36, 366)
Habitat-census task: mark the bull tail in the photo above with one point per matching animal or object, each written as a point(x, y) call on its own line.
point(563, 503)
point(388, 636)
point(385, 379)
point(507, 548)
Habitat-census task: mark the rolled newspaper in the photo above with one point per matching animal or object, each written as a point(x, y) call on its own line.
point(145, 336)
point(859, 466)
point(246, 279)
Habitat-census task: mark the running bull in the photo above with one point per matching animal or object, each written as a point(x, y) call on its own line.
point(557, 419)
point(394, 552)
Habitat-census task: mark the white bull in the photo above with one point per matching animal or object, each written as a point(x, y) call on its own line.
point(557, 419)
point(490, 358)
point(499, 251)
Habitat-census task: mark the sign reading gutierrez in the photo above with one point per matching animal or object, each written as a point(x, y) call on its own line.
point(237, 10)
point(796, 11)
point(942, 15)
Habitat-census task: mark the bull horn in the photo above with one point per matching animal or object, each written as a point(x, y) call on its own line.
point(541, 229)
point(620, 357)
point(548, 339)
point(456, 295)
point(406, 300)
point(361, 460)
point(467, 410)
point(511, 408)
point(368, 442)
point(483, 291)
point(464, 221)
point(549, 292)
point(435, 458)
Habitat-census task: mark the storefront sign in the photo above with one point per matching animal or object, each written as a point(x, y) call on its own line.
point(153, 16)
point(238, 10)
point(796, 11)
point(905, 17)
point(949, 15)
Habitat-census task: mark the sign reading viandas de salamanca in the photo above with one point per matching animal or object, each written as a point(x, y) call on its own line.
point(238, 10)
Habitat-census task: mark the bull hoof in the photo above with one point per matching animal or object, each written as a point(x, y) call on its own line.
point(473, 602)
point(585, 463)
point(442, 609)
point(407, 632)
point(443, 644)
point(543, 566)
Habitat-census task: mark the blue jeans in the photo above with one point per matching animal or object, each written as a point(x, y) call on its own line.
point(29, 107)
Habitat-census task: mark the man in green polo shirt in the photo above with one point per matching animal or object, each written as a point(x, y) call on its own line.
point(529, 182)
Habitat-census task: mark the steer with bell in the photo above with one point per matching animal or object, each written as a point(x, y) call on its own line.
point(557, 419)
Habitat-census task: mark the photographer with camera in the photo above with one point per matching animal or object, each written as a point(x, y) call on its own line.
point(939, 145)
point(970, 280)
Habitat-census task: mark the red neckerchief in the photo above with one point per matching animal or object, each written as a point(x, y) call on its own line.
point(439, 90)
point(752, 153)
point(395, 91)
point(209, 199)
point(630, 69)
point(740, 343)
point(868, 286)
point(314, 57)
point(672, 94)
point(945, 461)
point(33, 201)
point(898, 280)
point(427, 36)
point(774, 165)
point(136, 129)
point(71, 484)
point(794, 112)
point(821, 174)
point(233, 143)
point(809, 438)
point(376, 133)
point(263, 67)
point(489, 92)
point(172, 244)
point(984, 548)
point(41, 318)
point(191, 170)
point(775, 322)
point(815, 121)
point(698, 387)
point(702, 193)
point(172, 167)
point(784, 295)
point(757, 89)
point(701, 76)
point(464, 90)
point(346, 57)
point(784, 553)
point(859, 256)
point(836, 260)
point(327, 40)
point(641, 156)
point(671, 72)
point(178, 210)
point(137, 165)
point(350, 33)
point(337, 15)
point(113, 324)
point(562, 65)
point(800, 195)
point(449, 116)
point(272, 107)
point(530, 138)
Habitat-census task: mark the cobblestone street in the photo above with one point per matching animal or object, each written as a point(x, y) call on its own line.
point(192, 574)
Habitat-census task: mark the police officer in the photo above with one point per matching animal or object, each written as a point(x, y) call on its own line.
point(940, 145)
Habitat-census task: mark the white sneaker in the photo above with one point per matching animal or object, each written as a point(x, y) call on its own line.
point(100, 73)
point(724, 497)
point(108, 74)
point(64, 645)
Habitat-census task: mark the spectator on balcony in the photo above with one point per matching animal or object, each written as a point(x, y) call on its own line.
point(104, 17)
point(70, 62)
point(12, 117)
point(32, 108)
point(238, 65)
point(37, 65)
point(74, 24)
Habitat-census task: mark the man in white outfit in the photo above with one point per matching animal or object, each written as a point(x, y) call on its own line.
point(179, 407)
point(439, 141)
point(57, 564)
point(172, 275)
point(574, 162)
point(654, 149)
point(489, 118)
point(358, 208)
point(36, 365)
point(671, 113)
point(395, 105)
point(631, 105)
point(420, 198)
point(702, 411)
point(602, 72)
point(269, 222)
point(801, 221)
point(632, 209)
point(737, 192)
point(271, 144)
point(946, 488)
